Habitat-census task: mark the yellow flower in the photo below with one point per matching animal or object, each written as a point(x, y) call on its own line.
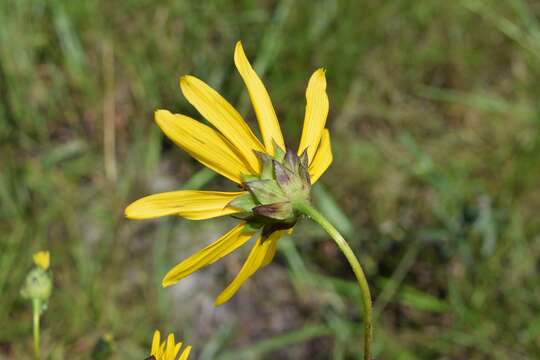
point(38, 283)
point(168, 349)
point(271, 177)
point(42, 259)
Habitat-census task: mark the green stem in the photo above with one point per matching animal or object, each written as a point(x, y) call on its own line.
point(310, 211)
point(36, 307)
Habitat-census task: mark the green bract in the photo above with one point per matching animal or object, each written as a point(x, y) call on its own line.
point(38, 285)
point(270, 201)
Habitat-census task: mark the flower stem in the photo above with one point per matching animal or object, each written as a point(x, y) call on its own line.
point(310, 211)
point(36, 307)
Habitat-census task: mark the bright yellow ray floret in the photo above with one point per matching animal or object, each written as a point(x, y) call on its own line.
point(266, 116)
point(316, 112)
point(190, 204)
point(229, 242)
point(224, 117)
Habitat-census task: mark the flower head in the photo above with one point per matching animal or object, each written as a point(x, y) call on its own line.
point(167, 350)
point(42, 259)
point(272, 178)
point(38, 283)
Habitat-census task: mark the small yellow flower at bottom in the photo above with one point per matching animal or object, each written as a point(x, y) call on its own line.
point(42, 259)
point(168, 349)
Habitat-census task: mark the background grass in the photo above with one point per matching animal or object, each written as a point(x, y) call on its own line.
point(435, 124)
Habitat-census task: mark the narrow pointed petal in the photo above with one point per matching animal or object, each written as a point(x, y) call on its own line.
point(323, 158)
point(220, 113)
point(229, 242)
point(266, 116)
point(169, 348)
point(176, 350)
point(185, 353)
point(190, 204)
point(261, 253)
point(272, 247)
point(155, 343)
point(204, 144)
point(270, 253)
point(161, 351)
point(317, 106)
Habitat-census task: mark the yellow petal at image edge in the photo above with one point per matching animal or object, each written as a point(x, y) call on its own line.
point(262, 104)
point(204, 144)
point(317, 106)
point(261, 253)
point(171, 349)
point(155, 343)
point(229, 242)
point(185, 353)
point(190, 204)
point(223, 116)
point(168, 349)
point(323, 157)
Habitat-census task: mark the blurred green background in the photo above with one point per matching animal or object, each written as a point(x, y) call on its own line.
point(435, 122)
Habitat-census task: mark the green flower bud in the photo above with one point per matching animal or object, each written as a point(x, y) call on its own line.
point(38, 285)
point(269, 202)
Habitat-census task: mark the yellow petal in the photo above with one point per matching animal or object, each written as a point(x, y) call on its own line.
point(272, 247)
point(176, 350)
point(224, 117)
point(316, 112)
point(190, 204)
point(229, 242)
point(266, 116)
point(204, 144)
point(185, 353)
point(169, 348)
point(260, 253)
point(323, 158)
point(155, 343)
point(42, 259)
point(161, 352)
point(270, 253)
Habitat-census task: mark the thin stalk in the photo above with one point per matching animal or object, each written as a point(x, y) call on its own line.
point(313, 213)
point(36, 308)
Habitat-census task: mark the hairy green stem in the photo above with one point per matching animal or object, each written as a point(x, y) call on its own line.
point(36, 308)
point(313, 213)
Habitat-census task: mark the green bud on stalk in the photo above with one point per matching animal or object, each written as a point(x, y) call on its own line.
point(38, 285)
point(38, 288)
